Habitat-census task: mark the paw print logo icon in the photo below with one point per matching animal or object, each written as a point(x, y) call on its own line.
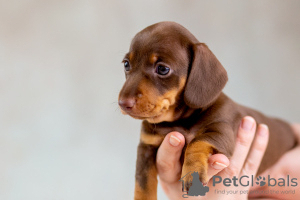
point(261, 181)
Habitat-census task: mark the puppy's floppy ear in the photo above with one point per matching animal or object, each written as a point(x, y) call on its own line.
point(206, 78)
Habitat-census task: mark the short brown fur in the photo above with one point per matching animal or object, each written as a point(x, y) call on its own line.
point(189, 100)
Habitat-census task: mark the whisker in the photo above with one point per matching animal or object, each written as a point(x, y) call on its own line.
point(114, 102)
point(117, 109)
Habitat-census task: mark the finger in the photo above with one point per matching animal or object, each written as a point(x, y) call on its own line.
point(244, 139)
point(217, 163)
point(296, 129)
point(168, 157)
point(257, 151)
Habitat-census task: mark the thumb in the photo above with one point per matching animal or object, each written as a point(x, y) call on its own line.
point(168, 157)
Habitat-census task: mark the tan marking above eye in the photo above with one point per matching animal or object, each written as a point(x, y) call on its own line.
point(155, 140)
point(153, 58)
point(130, 55)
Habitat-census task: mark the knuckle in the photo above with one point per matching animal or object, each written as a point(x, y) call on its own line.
point(260, 148)
point(260, 145)
point(250, 166)
point(244, 141)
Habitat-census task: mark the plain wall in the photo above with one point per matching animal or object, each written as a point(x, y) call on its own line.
point(62, 135)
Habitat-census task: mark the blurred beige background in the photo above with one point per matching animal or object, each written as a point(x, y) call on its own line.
point(62, 134)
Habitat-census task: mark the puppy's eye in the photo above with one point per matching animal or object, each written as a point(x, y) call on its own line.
point(126, 66)
point(162, 70)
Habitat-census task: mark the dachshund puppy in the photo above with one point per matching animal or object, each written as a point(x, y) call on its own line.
point(174, 83)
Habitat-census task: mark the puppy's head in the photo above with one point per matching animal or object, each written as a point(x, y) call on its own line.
point(166, 67)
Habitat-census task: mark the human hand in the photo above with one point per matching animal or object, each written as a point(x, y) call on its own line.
point(169, 167)
point(286, 165)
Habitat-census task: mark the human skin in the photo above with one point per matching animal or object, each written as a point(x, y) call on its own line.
point(288, 164)
point(169, 167)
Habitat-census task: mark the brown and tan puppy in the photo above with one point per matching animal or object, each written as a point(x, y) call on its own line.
point(174, 83)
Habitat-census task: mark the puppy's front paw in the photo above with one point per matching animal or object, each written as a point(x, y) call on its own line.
point(196, 163)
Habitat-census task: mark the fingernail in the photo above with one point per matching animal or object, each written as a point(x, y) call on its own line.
point(247, 123)
point(263, 132)
point(217, 165)
point(174, 141)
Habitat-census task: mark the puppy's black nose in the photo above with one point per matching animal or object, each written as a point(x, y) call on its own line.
point(127, 104)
